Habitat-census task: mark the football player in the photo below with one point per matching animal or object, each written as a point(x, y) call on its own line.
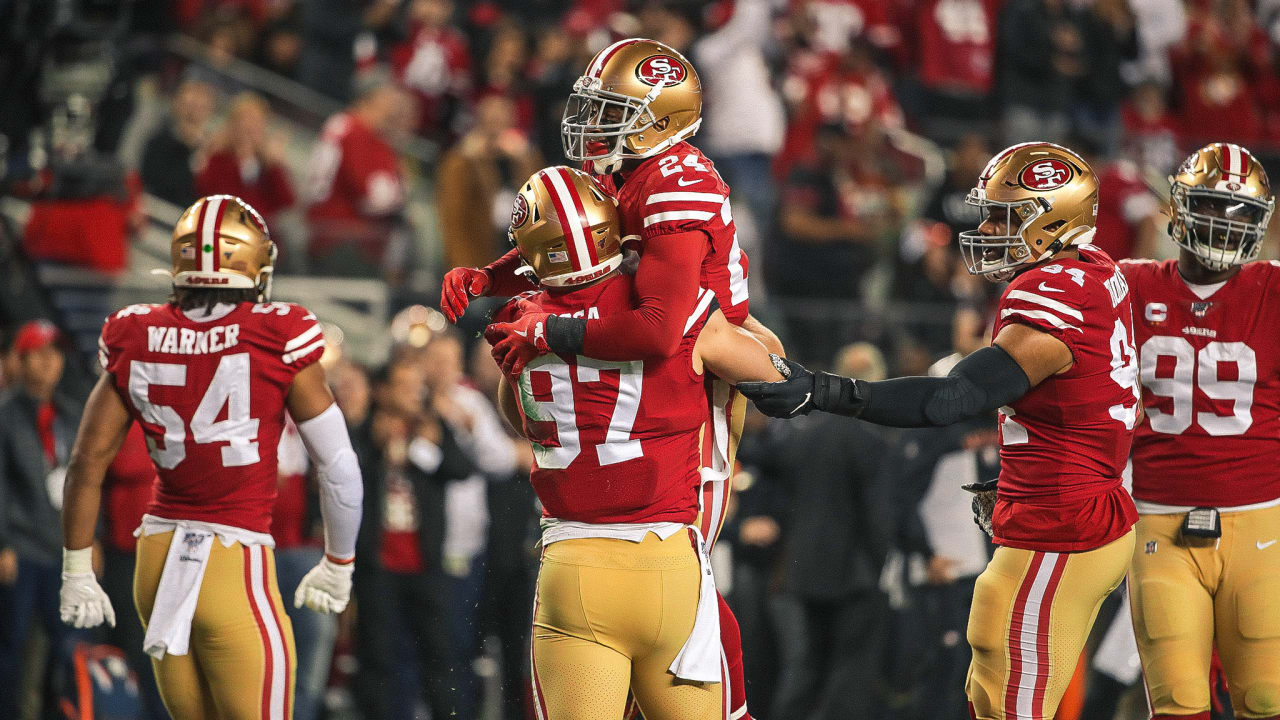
point(626, 599)
point(1204, 458)
point(1063, 373)
point(628, 122)
point(209, 376)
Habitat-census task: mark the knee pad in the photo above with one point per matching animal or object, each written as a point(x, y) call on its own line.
point(1261, 700)
point(1163, 616)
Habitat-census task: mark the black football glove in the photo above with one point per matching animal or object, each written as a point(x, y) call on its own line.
point(802, 392)
point(984, 504)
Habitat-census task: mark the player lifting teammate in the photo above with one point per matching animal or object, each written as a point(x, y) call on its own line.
point(1204, 458)
point(209, 376)
point(626, 599)
point(1063, 373)
point(628, 121)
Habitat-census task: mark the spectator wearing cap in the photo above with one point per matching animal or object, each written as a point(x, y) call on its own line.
point(248, 162)
point(36, 435)
point(354, 191)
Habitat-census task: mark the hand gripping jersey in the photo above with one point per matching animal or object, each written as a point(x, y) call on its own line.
point(1065, 443)
point(1210, 362)
point(679, 191)
point(614, 442)
point(210, 396)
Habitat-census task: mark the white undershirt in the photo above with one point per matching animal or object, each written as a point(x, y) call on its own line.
point(1204, 291)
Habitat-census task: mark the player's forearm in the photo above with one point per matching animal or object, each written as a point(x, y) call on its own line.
point(81, 498)
point(667, 285)
point(503, 278)
point(341, 487)
point(733, 354)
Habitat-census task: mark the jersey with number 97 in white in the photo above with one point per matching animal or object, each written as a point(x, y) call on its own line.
point(1210, 359)
point(613, 442)
point(210, 395)
point(1064, 444)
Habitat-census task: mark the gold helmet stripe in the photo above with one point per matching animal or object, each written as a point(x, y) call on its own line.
point(571, 220)
point(210, 226)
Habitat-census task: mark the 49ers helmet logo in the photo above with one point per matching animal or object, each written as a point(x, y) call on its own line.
point(1047, 174)
point(661, 68)
point(519, 211)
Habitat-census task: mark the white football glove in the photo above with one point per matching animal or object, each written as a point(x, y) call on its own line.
point(81, 600)
point(326, 588)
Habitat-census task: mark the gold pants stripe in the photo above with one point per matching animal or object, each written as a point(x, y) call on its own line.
point(1031, 615)
point(241, 662)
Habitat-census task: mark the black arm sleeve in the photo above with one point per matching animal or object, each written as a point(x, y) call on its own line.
point(983, 381)
point(566, 335)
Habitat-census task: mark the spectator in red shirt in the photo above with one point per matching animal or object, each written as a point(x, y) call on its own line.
point(434, 63)
point(1218, 71)
point(246, 162)
point(955, 63)
point(354, 191)
point(1128, 211)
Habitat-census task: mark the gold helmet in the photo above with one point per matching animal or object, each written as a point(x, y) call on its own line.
point(221, 242)
point(637, 98)
point(566, 228)
point(1040, 198)
point(1219, 205)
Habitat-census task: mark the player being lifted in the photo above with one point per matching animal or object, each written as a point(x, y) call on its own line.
point(1063, 373)
point(209, 376)
point(626, 599)
point(1204, 458)
point(628, 121)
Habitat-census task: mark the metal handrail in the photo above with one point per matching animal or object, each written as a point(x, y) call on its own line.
point(315, 104)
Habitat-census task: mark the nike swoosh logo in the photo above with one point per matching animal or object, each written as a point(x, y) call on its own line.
point(521, 333)
point(804, 402)
point(1046, 288)
point(1265, 545)
point(682, 183)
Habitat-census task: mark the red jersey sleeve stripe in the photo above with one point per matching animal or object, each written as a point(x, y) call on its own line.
point(1055, 305)
point(655, 198)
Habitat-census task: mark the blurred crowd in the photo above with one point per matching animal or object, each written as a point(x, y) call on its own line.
point(850, 132)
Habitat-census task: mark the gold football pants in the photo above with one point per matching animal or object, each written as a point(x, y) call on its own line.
point(611, 615)
point(1187, 594)
point(240, 664)
point(1031, 614)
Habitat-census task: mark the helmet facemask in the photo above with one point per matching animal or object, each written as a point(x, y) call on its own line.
point(1221, 228)
point(597, 123)
point(996, 256)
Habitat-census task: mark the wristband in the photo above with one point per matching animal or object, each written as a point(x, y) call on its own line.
point(565, 335)
point(77, 562)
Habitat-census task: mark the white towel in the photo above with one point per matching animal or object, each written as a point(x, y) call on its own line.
point(170, 628)
point(699, 659)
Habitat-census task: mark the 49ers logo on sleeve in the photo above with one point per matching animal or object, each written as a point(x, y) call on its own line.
point(1047, 174)
point(519, 212)
point(661, 68)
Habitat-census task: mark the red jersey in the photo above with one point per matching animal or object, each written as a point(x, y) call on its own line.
point(434, 63)
point(210, 396)
point(1065, 443)
point(1125, 203)
point(678, 191)
point(957, 46)
point(353, 187)
point(1210, 386)
point(614, 442)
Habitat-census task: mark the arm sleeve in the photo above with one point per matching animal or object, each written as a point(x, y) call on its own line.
point(985, 380)
point(667, 292)
point(338, 472)
point(502, 273)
